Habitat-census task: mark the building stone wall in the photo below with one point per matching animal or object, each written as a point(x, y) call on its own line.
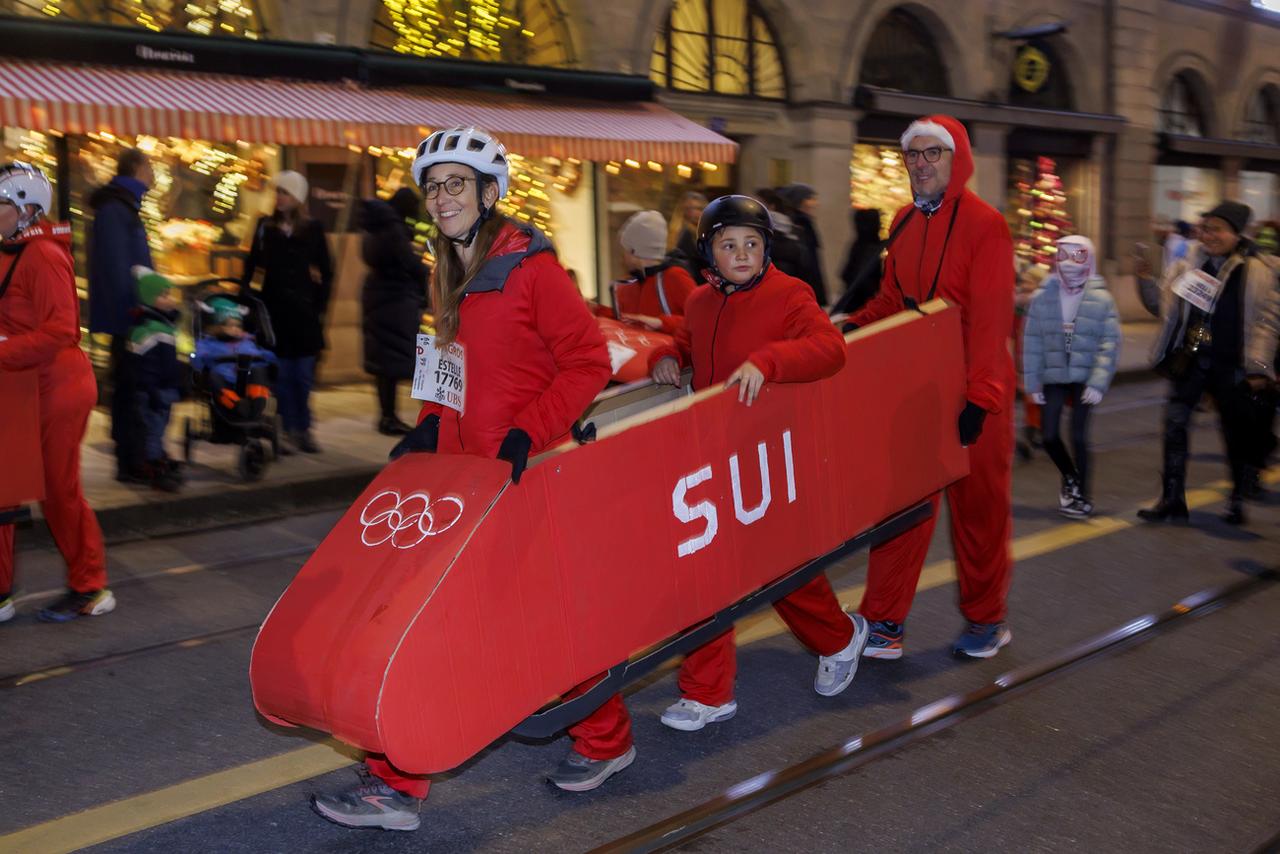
point(824, 41)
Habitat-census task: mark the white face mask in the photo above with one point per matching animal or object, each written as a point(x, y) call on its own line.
point(1073, 274)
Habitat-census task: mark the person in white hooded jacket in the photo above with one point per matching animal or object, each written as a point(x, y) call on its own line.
point(1069, 351)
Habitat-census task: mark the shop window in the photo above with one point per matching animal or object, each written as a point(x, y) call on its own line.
point(1039, 78)
point(1042, 206)
point(878, 179)
point(721, 46)
point(903, 54)
point(1262, 117)
point(1261, 192)
point(1184, 192)
point(518, 32)
point(636, 185)
point(200, 212)
point(205, 17)
point(1181, 110)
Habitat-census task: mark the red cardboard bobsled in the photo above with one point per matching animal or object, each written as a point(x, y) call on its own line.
point(20, 460)
point(448, 605)
point(630, 347)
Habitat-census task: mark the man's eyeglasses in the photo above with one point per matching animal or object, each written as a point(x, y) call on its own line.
point(1079, 254)
point(452, 185)
point(931, 155)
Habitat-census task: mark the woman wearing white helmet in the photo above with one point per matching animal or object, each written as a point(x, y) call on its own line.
point(530, 359)
point(40, 330)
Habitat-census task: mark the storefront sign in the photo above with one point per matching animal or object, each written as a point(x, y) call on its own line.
point(165, 56)
point(1031, 69)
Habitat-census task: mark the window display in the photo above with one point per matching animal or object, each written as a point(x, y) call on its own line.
point(878, 180)
point(1038, 210)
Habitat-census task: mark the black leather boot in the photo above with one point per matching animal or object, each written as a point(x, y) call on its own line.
point(1172, 505)
point(1235, 510)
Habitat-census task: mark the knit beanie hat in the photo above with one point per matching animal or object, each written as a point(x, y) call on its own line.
point(644, 235)
point(150, 285)
point(293, 184)
point(224, 309)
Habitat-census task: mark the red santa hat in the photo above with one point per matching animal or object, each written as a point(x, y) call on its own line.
point(924, 127)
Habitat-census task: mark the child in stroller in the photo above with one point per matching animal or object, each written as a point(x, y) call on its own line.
point(231, 366)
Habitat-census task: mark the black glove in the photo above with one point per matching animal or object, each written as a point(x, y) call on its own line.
point(848, 327)
point(515, 450)
point(424, 437)
point(584, 434)
point(971, 423)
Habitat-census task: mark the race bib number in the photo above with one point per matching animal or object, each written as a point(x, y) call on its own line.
point(440, 376)
point(1198, 288)
point(1069, 332)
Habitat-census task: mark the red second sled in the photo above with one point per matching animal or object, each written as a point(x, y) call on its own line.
point(610, 556)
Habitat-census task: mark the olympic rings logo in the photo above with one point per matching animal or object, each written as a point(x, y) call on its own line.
point(406, 522)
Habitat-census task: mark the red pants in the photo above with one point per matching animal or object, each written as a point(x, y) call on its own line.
point(812, 613)
point(981, 527)
point(603, 734)
point(68, 394)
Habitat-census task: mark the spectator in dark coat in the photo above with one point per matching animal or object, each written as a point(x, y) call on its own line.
point(801, 203)
point(684, 236)
point(117, 243)
point(784, 251)
point(864, 267)
point(297, 276)
point(392, 300)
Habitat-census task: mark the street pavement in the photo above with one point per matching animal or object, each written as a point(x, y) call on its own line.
point(1168, 745)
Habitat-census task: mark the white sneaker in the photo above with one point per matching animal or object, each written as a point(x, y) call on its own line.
point(835, 672)
point(691, 716)
point(7, 611)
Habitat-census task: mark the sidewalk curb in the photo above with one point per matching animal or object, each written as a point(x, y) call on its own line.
point(184, 514)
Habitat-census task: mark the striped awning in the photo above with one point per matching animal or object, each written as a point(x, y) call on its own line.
point(224, 108)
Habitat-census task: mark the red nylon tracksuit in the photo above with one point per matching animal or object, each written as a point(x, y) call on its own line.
point(644, 297)
point(976, 273)
point(535, 360)
point(778, 327)
point(40, 320)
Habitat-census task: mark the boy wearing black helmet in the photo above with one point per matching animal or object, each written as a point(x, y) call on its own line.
point(755, 324)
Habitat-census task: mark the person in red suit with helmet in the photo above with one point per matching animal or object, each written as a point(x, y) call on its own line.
point(40, 330)
point(532, 359)
point(756, 324)
point(952, 245)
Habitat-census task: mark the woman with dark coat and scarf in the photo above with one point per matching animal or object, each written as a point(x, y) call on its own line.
point(392, 300)
point(863, 267)
point(297, 276)
point(801, 202)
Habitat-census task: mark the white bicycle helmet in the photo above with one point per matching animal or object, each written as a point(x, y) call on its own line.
point(23, 184)
point(469, 146)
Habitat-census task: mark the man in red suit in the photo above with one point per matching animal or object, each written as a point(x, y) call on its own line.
point(950, 244)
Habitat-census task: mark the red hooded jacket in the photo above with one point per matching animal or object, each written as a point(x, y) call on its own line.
point(642, 297)
point(534, 355)
point(40, 311)
point(777, 326)
point(974, 269)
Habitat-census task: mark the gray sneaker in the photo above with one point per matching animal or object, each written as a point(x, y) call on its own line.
point(835, 672)
point(373, 804)
point(577, 773)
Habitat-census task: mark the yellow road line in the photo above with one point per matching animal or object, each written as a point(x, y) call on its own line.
point(142, 812)
point(121, 818)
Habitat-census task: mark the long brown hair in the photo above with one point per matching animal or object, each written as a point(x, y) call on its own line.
point(450, 279)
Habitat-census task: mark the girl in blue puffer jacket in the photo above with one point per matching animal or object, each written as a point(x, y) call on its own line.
point(1070, 346)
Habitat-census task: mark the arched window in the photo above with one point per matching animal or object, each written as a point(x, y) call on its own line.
point(721, 46)
point(902, 54)
point(206, 17)
point(1181, 111)
point(1262, 117)
point(519, 32)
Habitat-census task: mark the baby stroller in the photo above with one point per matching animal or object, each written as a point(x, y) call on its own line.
point(242, 411)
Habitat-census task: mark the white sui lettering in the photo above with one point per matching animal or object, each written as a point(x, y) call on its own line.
point(707, 510)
